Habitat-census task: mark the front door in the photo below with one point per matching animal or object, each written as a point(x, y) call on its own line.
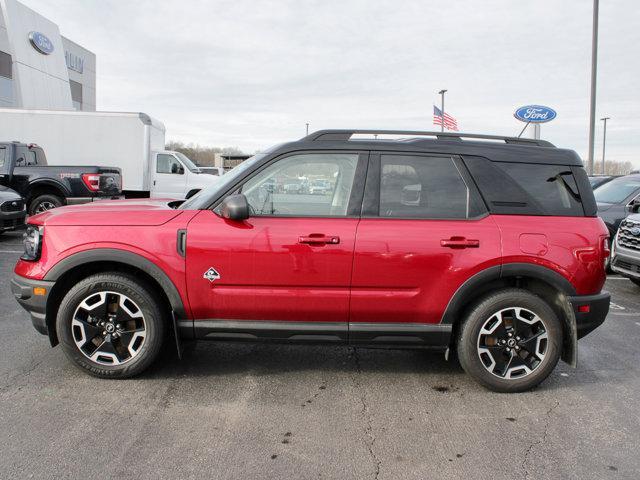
point(424, 231)
point(285, 272)
point(169, 178)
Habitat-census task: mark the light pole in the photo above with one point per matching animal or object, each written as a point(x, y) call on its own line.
point(307, 128)
point(594, 68)
point(604, 140)
point(442, 92)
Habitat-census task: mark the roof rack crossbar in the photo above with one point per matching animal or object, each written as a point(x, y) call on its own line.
point(343, 135)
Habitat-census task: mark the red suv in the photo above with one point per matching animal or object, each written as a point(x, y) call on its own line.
point(486, 246)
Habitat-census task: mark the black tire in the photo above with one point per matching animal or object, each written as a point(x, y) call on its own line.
point(636, 281)
point(45, 202)
point(469, 349)
point(144, 301)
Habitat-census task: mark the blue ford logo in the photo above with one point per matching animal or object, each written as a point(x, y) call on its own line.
point(41, 42)
point(535, 114)
point(635, 231)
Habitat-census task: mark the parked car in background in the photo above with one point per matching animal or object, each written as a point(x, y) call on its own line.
point(598, 180)
point(625, 251)
point(296, 186)
point(496, 252)
point(24, 168)
point(319, 187)
point(616, 199)
point(12, 210)
point(132, 142)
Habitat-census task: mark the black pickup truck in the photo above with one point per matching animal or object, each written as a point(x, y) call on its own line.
point(23, 167)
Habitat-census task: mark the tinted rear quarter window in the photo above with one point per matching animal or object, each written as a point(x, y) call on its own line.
point(527, 189)
point(413, 186)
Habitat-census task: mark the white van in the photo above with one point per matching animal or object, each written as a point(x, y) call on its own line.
point(133, 142)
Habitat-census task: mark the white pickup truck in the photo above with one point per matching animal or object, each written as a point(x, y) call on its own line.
point(133, 142)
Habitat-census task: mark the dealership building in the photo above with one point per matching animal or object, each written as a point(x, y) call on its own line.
point(39, 68)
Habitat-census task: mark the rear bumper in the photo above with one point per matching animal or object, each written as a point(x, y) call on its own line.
point(81, 200)
point(590, 311)
point(36, 305)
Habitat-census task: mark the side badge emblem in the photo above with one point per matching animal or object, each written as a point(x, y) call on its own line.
point(211, 274)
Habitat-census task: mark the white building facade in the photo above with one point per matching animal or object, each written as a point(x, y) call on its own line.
point(39, 68)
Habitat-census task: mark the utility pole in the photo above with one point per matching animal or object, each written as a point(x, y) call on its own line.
point(442, 92)
point(307, 128)
point(594, 68)
point(604, 140)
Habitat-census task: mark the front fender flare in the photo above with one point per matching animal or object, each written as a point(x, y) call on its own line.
point(124, 257)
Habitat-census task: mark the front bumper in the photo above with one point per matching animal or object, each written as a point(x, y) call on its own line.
point(12, 220)
point(590, 311)
point(23, 289)
point(626, 262)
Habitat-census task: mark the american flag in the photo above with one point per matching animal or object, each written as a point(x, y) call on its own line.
point(450, 123)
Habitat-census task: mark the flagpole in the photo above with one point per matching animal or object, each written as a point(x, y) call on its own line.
point(442, 92)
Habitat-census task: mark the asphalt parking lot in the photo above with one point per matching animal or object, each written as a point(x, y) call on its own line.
point(256, 411)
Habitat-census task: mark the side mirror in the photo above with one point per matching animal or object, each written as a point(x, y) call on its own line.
point(235, 207)
point(634, 205)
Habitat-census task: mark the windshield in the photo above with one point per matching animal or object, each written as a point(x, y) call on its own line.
point(616, 190)
point(187, 163)
point(203, 197)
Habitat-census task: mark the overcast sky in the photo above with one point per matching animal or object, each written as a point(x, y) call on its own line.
point(252, 73)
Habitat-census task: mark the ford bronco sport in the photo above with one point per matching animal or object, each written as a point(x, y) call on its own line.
point(488, 247)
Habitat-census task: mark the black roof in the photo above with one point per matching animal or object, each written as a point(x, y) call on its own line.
point(493, 147)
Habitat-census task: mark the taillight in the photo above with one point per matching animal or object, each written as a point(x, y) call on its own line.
point(92, 181)
point(605, 247)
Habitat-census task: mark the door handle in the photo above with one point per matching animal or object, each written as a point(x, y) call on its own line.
point(459, 242)
point(319, 239)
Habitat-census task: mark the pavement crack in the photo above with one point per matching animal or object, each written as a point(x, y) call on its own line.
point(540, 441)
point(370, 439)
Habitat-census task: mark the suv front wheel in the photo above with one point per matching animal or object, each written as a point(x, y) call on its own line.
point(110, 325)
point(510, 341)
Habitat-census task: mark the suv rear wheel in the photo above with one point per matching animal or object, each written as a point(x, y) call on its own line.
point(110, 325)
point(510, 341)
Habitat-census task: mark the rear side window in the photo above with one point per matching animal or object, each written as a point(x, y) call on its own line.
point(414, 186)
point(3, 155)
point(526, 188)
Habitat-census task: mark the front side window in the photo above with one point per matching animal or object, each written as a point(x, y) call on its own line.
point(422, 187)
point(3, 155)
point(288, 187)
point(169, 164)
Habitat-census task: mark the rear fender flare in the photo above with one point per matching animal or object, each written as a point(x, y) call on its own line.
point(559, 283)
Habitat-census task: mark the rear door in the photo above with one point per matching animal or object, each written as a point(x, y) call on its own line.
point(284, 272)
point(169, 177)
point(424, 231)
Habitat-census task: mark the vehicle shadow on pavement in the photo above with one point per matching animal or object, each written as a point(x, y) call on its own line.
point(211, 358)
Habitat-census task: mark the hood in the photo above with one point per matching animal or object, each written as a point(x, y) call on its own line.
point(603, 207)
point(138, 212)
point(7, 194)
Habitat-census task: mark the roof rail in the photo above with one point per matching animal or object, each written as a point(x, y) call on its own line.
point(342, 135)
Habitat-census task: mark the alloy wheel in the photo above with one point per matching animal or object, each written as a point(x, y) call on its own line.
point(44, 206)
point(108, 328)
point(512, 343)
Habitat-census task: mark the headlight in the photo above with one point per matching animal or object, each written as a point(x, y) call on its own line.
point(32, 241)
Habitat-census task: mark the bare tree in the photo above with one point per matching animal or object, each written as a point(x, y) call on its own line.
point(201, 156)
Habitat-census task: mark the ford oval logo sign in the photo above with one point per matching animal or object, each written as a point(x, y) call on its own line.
point(535, 114)
point(41, 42)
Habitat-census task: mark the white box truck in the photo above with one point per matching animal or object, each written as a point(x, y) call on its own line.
point(133, 142)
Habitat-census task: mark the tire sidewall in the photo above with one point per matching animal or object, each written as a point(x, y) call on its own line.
point(57, 201)
point(154, 324)
point(481, 312)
